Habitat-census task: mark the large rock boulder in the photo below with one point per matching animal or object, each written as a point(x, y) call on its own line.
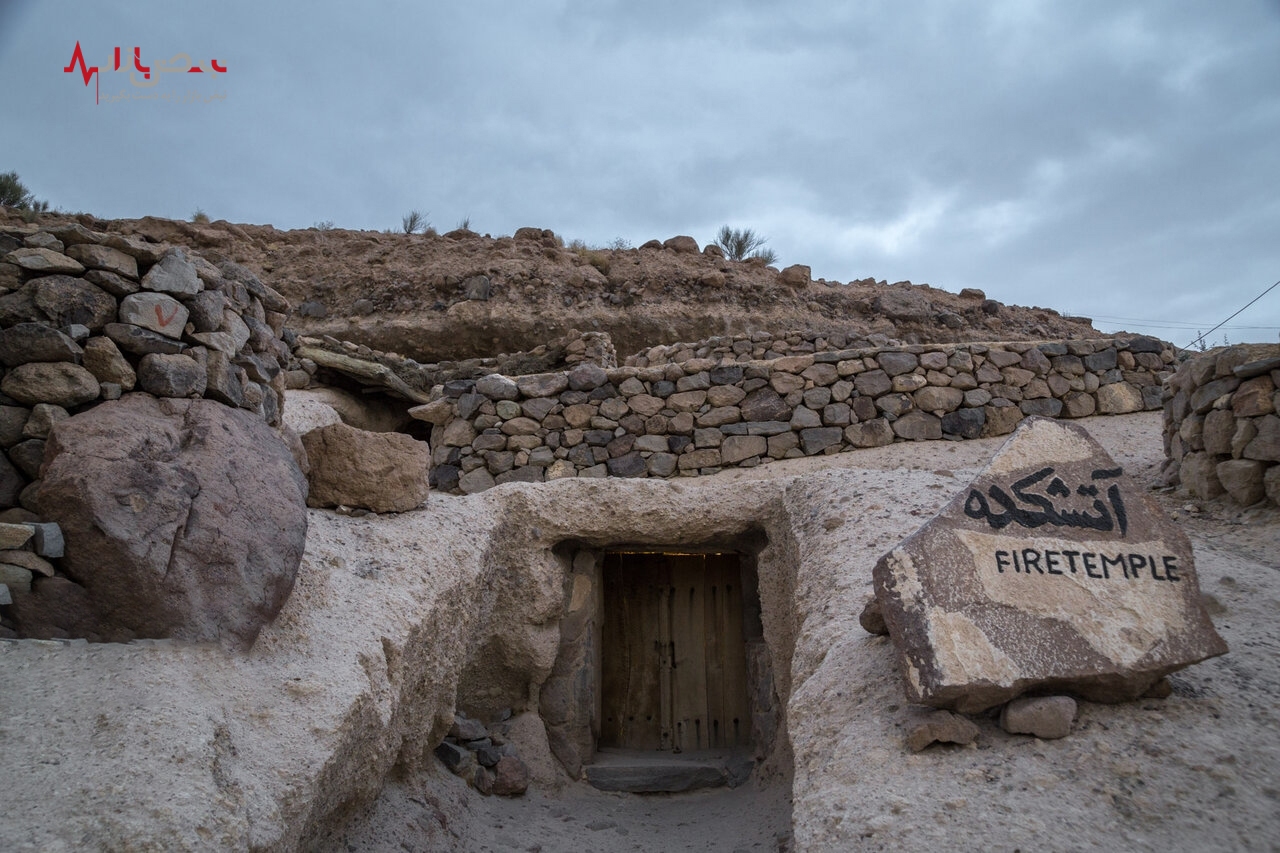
point(903, 303)
point(182, 518)
point(379, 471)
point(1050, 572)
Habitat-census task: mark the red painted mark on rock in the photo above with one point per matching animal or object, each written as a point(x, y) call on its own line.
point(164, 321)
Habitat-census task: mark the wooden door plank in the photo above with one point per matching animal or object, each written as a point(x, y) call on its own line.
point(615, 654)
point(648, 580)
point(664, 576)
point(714, 640)
point(688, 630)
point(737, 713)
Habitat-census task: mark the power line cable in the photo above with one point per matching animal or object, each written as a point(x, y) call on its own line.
point(1232, 317)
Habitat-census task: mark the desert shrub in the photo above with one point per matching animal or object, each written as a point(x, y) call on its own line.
point(740, 244)
point(324, 225)
point(13, 193)
point(598, 258)
point(414, 221)
point(200, 217)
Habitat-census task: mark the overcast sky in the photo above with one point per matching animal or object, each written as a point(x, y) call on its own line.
point(1119, 160)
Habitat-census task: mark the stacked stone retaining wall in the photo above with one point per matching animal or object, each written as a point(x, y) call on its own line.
point(706, 414)
point(86, 317)
point(1221, 428)
point(755, 346)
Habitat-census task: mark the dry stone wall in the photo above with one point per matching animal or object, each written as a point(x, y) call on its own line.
point(756, 346)
point(87, 317)
point(1221, 428)
point(705, 414)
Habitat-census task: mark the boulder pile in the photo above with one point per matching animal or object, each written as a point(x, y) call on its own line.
point(97, 331)
point(26, 552)
point(484, 757)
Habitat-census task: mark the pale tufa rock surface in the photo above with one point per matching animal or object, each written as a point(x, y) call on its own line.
point(179, 747)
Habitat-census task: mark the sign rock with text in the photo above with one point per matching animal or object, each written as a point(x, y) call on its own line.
point(1050, 572)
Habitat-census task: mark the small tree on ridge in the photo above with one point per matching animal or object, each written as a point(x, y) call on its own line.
point(14, 194)
point(413, 222)
point(740, 244)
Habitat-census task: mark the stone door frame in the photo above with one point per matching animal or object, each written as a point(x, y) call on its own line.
point(570, 698)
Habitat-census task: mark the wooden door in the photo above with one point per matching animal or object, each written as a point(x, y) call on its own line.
point(674, 658)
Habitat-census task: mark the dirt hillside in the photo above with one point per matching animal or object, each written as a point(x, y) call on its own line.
point(463, 294)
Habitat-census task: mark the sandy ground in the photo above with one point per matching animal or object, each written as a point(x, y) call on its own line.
point(440, 813)
point(1199, 770)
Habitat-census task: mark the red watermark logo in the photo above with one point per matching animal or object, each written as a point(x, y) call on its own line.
point(150, 75)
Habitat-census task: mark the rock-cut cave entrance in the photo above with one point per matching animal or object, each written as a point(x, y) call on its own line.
point(664, 679)
point(673, 651)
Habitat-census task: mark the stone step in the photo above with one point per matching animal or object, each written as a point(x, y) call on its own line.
point(649, 772)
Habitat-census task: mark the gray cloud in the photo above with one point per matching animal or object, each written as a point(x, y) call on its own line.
point(1115, 161)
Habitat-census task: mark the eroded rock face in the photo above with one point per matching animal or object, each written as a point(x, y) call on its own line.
point(182, 518)
point(380, 471)
point(1051, 571)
